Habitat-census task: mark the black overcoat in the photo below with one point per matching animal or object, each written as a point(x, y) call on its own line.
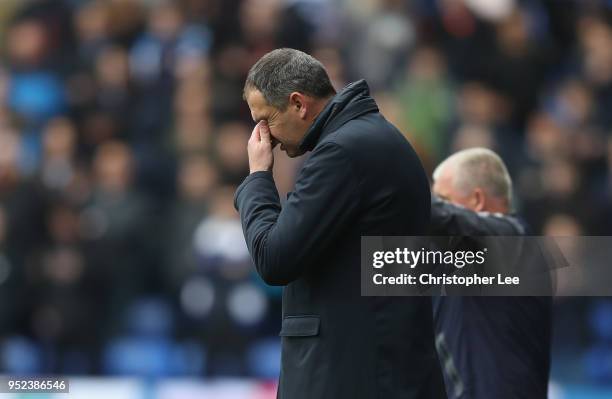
point(362, 178)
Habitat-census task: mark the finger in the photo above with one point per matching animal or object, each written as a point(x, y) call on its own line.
point(264, 132)
point(255, 136)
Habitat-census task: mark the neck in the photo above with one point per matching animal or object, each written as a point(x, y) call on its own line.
point(497, 205)
point(318, 106)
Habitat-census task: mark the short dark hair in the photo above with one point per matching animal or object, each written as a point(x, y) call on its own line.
point(282, 71)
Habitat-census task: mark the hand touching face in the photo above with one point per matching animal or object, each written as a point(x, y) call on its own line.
point(260, 148)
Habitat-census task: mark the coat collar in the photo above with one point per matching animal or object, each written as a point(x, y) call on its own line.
point(352, 101)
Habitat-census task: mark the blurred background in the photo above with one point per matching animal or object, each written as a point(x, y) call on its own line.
point(123, 137)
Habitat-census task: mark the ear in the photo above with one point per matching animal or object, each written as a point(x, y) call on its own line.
point(480, 199)
point(298, 102)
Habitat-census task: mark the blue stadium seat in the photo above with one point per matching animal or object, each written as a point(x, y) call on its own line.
point(147, 348)
point(263, 358)
point(20, 356)
point(601, 320)
point(150, 317)
point(153, 357)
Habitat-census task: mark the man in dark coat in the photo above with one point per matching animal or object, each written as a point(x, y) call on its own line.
point(361, 178)
point(491, 347)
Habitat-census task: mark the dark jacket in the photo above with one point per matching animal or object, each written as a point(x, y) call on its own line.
point(491, 347)
point(362, 178)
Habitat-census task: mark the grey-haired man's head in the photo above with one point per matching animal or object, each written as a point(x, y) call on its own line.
point(475, 178)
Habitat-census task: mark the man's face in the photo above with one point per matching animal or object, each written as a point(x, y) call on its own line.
point(286, 127)
point(444, 188)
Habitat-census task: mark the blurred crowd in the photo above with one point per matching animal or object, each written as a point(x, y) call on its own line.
point(123, 137)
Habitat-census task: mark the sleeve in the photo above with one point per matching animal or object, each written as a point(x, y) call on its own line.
point(283, 242)
point(449, 219)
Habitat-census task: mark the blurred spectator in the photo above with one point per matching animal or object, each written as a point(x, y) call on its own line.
point(470, 136)
point(9, 282)
point(259, 20)
point(35, 90)
point(169, 40)
point(111, 73)
point(332, 60)
point(385, 33)
point(91, 23)
point(517, 66)
point(197, 178)
point(217, 240)
point(116, 224)
point(426, 100)
point(230, 148)
point(191, 134)
point(59, 154)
